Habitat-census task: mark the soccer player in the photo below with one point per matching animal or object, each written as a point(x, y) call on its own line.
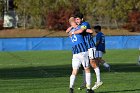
point(100, 46)
point(79, 50)
point(84, 26)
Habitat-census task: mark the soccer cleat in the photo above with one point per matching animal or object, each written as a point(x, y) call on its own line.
point(97, 85)
point(90, 91)
point(71, 90)
point(83, 86)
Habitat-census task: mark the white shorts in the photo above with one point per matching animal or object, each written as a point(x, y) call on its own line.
point(91, 53)
point(98, 54)
point(80, 58)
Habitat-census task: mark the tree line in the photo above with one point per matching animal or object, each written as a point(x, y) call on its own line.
point(53, 14)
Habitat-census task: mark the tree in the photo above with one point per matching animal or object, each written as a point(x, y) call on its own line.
point(1, 8)
point(32, 11)
point(112, 11)
point(108, 12)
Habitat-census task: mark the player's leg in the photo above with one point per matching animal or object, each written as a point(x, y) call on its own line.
point(106, 65)
point(75, 65)
point(94, 64)
point(83, 85)
point(72, 78)
point(88, 80)
point(85, 63)
point(98, 83)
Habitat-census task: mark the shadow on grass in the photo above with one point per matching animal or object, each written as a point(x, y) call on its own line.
point(36, 72)
point(123, 91)
point(56, 71)
point(122, 68)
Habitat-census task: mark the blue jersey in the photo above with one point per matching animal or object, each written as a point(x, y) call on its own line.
point(78, 44)
point(87, 36)
point(101, 38)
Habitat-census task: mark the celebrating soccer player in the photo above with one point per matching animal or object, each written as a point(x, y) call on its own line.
point(84, 27)
point(80, 56)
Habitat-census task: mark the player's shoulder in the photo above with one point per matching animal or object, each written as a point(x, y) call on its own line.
point(98, 34)
point(85, 23)
point(101, 33)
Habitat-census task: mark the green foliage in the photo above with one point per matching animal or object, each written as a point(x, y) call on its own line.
point(37, 9)
point(1, 7)
point(104, 10)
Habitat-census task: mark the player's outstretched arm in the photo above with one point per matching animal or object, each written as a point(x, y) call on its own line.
point(77, 31)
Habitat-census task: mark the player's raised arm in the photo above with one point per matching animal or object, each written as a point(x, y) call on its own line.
point(83, 28)
point(79, 31)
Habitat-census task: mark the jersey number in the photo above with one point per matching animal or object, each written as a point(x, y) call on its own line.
point(74, 38)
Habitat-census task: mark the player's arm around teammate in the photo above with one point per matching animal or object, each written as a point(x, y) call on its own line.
point(79, 57)
point(88, 38)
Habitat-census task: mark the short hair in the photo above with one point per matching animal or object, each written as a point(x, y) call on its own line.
point(78, 15)
point(71, 19)
point(97, 27)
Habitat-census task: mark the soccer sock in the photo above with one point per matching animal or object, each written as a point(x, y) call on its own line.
point(72, 80)
point(106, 65)
point(88, 80)
point(97, 72)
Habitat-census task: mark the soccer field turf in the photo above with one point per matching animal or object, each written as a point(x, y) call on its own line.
point(49, 71)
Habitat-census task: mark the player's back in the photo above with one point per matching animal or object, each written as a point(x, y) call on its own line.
point(78, 43)
point(101, 38)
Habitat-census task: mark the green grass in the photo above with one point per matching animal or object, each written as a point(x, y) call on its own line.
point(49, 71)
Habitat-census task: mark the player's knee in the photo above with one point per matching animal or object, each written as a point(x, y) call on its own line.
point(93, 63)
point(74, 72)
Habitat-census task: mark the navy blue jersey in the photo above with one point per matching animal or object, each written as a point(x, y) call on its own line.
point(78, 44)
point(87, 36)
point(101, 39)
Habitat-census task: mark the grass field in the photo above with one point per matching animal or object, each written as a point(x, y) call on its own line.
point(49, 71)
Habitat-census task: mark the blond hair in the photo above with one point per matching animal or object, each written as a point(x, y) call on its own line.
point(71, 19)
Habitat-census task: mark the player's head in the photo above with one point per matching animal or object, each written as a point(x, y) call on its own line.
point(78, 18)
point(97, 28)
point(72, 21)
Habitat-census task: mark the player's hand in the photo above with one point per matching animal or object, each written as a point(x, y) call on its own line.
point(70, 34)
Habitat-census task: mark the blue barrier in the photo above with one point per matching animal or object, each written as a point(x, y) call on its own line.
point(64, 43)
